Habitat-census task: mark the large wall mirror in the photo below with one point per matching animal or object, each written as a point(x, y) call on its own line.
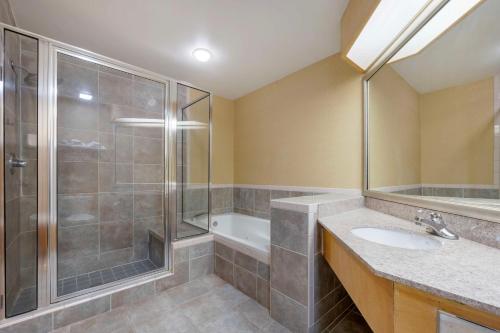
point(433, 117)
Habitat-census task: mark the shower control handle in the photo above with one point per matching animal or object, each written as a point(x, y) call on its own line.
point(18, 163)
point(14, 162)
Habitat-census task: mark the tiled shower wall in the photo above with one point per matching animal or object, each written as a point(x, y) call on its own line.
point(110, 178)
point(21, 184)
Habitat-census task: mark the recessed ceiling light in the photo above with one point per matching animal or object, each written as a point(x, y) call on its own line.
point(85, 96)
point(202, 55)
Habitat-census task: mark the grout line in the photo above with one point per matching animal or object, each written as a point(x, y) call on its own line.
point(288, 297)
point(284, 248)
point(342, 316)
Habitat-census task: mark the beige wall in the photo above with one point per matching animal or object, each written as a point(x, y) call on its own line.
point(457, 134)
point(442, 137)
point(303, 130)
point(394, 131)
point(223, 141)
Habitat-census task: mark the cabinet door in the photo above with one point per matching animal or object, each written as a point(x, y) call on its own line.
point(449, 323)
point(417, 312)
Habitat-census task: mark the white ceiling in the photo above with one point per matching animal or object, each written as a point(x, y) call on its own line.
point(254, 42)
point(468, 52)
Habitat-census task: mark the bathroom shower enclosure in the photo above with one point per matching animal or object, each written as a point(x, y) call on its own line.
point(104, 165)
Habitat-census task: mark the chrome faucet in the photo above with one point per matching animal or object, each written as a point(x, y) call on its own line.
point(434, 224)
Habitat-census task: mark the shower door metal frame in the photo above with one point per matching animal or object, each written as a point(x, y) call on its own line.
point(54, 50)
point(173, 147)
point(47, 186)
point(42, 258)
point(2, 197)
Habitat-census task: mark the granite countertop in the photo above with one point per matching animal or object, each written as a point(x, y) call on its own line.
point(460, 270)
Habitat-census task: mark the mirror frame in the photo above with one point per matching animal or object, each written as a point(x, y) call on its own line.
point(461, 209)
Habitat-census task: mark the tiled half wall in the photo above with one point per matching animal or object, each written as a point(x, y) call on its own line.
point(255, 200)
point(305, 293)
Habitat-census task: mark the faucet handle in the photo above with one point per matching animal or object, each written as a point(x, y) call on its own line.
point(419, 217)
point(436, 218)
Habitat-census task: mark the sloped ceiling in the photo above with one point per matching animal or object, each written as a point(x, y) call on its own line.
point(253, 42)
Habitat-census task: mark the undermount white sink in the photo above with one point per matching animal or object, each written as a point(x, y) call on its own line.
point(397, 238)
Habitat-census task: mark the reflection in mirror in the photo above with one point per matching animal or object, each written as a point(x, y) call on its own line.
point(434, 124)
point(193, 161)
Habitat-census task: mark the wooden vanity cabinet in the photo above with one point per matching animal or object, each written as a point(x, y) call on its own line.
point(417, 311)
point(391, 307)
point(373, 295)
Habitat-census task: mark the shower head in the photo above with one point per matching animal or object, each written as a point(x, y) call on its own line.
point(31, 79)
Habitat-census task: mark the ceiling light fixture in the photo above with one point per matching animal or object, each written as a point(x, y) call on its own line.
point(388, 20)
point(445, 18)
point(202, 55)
point(85, 96)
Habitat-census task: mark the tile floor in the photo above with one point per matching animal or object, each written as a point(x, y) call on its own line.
point(208, 304)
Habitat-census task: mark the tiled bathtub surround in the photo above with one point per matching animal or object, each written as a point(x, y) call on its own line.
point(480, 231)
point(244, 272)
point(222, 199)
point(257, 201)
point(305, 294)
point(192, 261)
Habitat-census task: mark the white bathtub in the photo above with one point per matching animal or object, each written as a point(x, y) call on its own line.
point(247, 234)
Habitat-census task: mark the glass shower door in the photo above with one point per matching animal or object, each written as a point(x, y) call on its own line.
point(20, 84)
point(193, 161)
point(110, 174)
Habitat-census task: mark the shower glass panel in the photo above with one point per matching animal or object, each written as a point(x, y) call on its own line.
point(193, 161)
point(20, 171)
point(110, 175)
